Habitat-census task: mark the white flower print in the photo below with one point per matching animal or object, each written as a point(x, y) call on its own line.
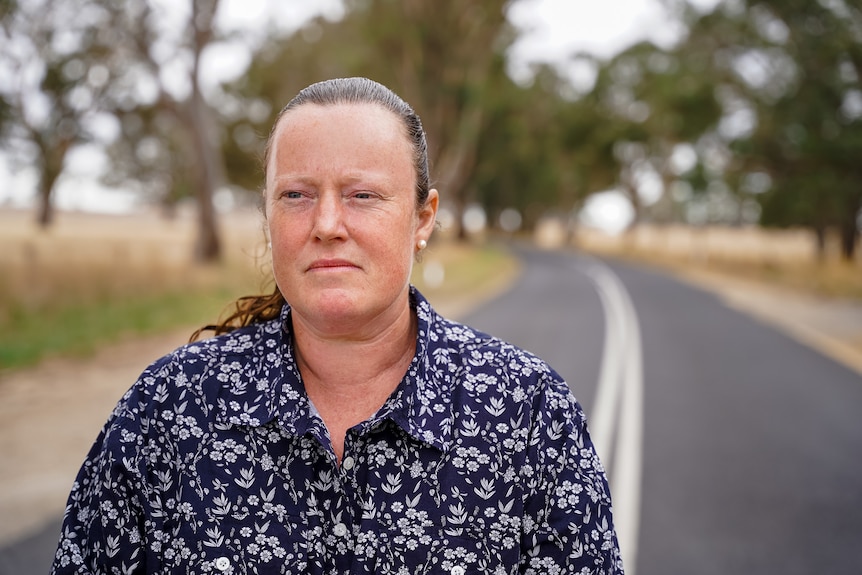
point(479, 459)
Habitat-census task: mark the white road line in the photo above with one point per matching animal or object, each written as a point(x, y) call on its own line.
point(626, 483)
point(602, 416)
point(619, 407)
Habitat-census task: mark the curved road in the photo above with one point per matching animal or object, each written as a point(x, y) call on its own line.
point(741, 449)
point(752, 443)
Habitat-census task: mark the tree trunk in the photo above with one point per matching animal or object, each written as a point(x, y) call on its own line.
point(52, 161)
point(446, 83)
point(820, 238)
point(205, 139)
point(45, 213)
point(849, 238)
point(207, 179)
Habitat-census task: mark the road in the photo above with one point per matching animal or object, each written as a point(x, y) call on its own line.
point(752, 443)
point(731, 448)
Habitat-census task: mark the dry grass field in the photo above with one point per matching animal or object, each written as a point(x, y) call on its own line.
point(88, 257)
point(785, 258)
point(91, 279)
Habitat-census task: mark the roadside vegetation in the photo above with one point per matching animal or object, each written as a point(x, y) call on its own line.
point(827, 279)
point(96, 279)
point(785, 259)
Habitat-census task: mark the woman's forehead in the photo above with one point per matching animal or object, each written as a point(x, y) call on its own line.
point(341, 136)
point(312, 114)
point(339, 125)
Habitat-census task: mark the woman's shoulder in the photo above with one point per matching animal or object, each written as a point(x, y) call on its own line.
point(474, 344)
point(191, 366)
point(193, 380)
point(497, 377)
point(249, 340)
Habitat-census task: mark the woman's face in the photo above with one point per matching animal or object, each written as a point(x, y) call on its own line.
point(341, 209)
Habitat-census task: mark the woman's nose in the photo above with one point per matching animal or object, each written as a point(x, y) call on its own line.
point(329, 217)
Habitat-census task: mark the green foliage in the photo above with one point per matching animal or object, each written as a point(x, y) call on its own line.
point(26, 336)
point(809, 112)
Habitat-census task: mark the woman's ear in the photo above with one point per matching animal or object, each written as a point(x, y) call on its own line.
point(428, 215)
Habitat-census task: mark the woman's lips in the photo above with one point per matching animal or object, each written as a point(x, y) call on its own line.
point(331, 264)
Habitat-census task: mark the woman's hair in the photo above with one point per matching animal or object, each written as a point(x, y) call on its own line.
point(253, 309)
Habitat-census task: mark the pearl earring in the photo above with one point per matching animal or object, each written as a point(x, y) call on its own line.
point(421, 244)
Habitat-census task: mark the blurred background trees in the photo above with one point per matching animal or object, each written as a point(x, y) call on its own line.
point(753, 117)
point(56, 65)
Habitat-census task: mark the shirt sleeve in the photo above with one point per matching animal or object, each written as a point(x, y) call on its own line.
point(102, 529)
point(568, 524)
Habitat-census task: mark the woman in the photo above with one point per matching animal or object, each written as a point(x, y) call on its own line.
point(340, 425)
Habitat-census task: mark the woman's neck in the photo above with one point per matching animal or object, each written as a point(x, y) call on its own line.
point(349, 379)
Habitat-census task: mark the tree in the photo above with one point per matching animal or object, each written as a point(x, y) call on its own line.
point(813, 154)
point(542, 149)
point(171, 138)
point(444, 69)
point(439, 56)
point(652, 101)
point(58, 60)
point(795, 67)
point(69, 63)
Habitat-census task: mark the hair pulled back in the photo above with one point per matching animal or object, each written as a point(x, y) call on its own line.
point(253, 309)
point(364, 91)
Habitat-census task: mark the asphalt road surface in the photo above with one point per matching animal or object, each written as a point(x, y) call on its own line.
point(746, 451)
point(752, 443)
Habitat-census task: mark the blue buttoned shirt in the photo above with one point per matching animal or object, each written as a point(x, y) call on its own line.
point(216, 462)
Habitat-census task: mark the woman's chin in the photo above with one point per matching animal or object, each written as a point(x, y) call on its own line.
point(335, 311)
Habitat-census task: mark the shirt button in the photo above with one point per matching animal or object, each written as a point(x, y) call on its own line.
point(457, 570)
point(340, 529)
point(348, 463)
point(222, 563)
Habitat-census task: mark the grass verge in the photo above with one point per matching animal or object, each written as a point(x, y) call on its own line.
point(28, 336)
point(78, 326)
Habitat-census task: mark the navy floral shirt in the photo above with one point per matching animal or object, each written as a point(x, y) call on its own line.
point(215, 462)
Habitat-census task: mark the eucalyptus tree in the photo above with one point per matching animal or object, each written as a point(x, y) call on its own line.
point(439, 56)
point(519, 164)
point(108, 71)
point(791, 70)
point(809, 137)
point(57, 62)
point(653, 101)
point(170, 140)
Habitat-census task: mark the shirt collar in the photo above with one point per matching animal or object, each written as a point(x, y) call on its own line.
point(421, 405)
